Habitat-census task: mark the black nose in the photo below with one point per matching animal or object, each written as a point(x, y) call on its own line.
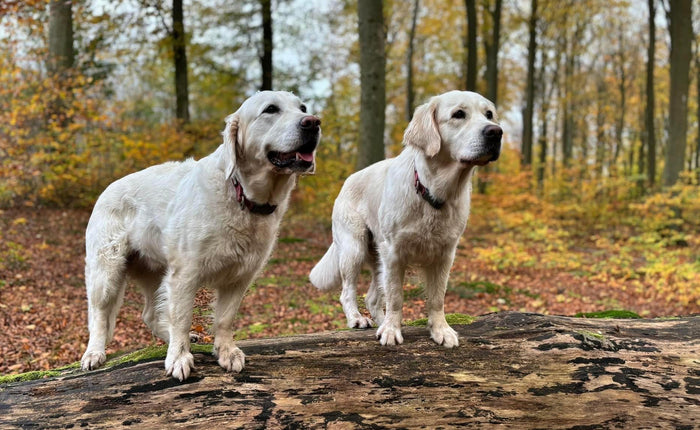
point(310, 122)
point(492, 132)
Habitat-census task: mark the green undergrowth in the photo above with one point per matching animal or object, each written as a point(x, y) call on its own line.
point(452, 319)
point(619, 314)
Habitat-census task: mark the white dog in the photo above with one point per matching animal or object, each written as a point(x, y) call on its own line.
point(410, 210)
point(178, 226)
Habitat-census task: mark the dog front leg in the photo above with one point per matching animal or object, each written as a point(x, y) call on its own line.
point(392, 273)
point(181, 291)
point(436, 277)
point(228, 299)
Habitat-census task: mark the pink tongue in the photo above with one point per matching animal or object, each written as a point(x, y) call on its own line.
point(306, 157)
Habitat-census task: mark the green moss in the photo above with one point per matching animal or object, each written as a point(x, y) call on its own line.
point(29, 376)
point(591, 334)
point(619, 314)
point(147, 354)
point(452, 319)
point(155, 352)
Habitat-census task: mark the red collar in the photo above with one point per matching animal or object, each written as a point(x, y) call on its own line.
point(255, 208)
point(425, 192)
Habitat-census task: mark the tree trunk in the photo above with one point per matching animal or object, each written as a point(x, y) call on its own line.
point(511, 370)
point(182, 104)
point(641, 154)
point(410, 96)
point(649, 131)
point(697, 107)
point(61, 55)
point(546, 96)
point(568, 112)
point(492, 47)
point(601, 147)
point(266, 59)
point(530, 88)
point(681, 30)
point(470, 45)
point(372, 82)
point(622, 88)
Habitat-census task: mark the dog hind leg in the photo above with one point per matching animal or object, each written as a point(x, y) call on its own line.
point(154, 308)
point(352, 248)
point(105, 282)
point(374, 300)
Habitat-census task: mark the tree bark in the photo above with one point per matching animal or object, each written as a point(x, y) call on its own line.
point(530, 86)
point(697, 108)
point(492, 46)
point(182, 104)
point(568, 120)
point(470, 46)
point(410, 95)
point(622, 88)
point(492, 49)
point(545, 97)
point(61, 56)
point(681, 30)
point(649, 130)
point(511, 370)
point(372, 82)
point(266, 59)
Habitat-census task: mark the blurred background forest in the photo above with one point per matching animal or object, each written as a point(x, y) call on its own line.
point(594, 204)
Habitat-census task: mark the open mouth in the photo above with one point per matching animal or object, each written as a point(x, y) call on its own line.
point(480, 161)
point(301, 159)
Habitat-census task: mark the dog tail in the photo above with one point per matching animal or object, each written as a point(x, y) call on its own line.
point(326, 274)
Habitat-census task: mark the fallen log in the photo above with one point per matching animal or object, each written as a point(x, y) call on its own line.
point(513, 369)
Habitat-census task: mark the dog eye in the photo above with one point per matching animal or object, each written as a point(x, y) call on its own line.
point(271, 109)
point(303, 108)
point(459, 114)
point(489, 114)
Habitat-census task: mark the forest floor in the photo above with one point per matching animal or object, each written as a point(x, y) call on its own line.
point(43, 311)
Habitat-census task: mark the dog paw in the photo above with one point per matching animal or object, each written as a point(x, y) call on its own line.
point(231, 358)
point(360, 322)
point(92, 360)
point(179, 367)
point(444, 336)
point(389, 335)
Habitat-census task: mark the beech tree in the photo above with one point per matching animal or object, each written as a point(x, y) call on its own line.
point(266, 58)
point(372, 82)
point(177, 34)
point(61, 55)
point(530, 85)
point(680, 27)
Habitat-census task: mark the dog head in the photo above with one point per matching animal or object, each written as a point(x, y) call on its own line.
point(461, 124)
point(272, 130)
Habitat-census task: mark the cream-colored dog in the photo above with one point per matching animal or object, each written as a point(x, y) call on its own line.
point(178, 226)
point(410, 210)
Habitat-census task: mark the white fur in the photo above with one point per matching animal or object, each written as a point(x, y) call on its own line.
point(176, 227)
point(380, 221)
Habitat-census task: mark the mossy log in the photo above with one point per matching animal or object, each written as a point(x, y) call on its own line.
point(513, 369)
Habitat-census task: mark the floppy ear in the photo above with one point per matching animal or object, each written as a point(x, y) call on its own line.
point(422, 132)
point(231, 143)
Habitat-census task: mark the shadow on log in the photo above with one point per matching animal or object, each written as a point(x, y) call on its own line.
point(514, 369)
